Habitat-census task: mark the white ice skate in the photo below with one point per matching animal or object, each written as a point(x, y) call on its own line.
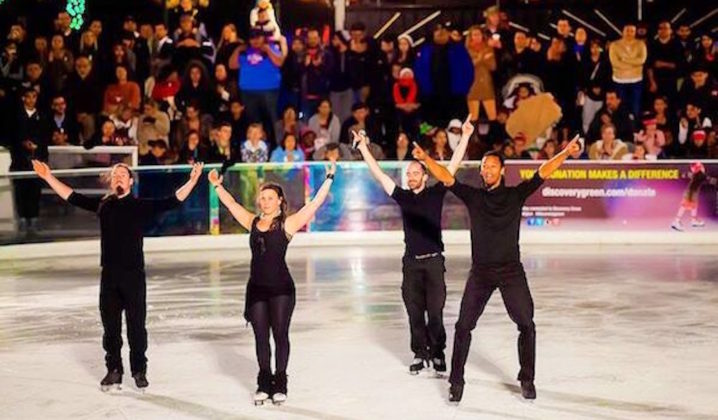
point(677, 225)
point(697, 223)
point(279, 398)
point(260, 398)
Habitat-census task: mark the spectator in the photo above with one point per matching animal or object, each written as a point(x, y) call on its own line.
point(333, 151)
point(123, 92)
point(36, 79)
point(157, 156)
point(405, 51)
point(507, 151)
point(162, 50)
point(560, 78)
point(287, 150)
point(340, 79)
point(263, 16)
point(18, 35)
point(126, 124)
point(96, 29)
point(221, 146)
point(105, 137)
point(259, 79)
point(684, 38)
point(196, 89)
point(121, 56)
point(444, 73)
point(497, 129)
point(359, 62)
point(665, 120)
point(64, 126)
point(193, 120)
point(154, 125)
point(617, 114)
point(519, 147)
point(381, 101)
point(521, 92)
point(317, 64)
point(10, 64)
point(84, 92)
point(579, 48)
point(165, 90)
point(238, 121)
point(697, 147)
point(693, 120)
point(41, 52)
point(325, 124)
point(699, 87)
point(289, 124)
point(609, 147)
point(90, 47)
point(440, 146)
point(60, 63)
point(255, 149)
point(193, 150)
point(665, 62)
point(402, 151)
point(595, 77)
point(548, 150)
point(482, 89)
point(628, 55)
point(360, 120)
point(190, 44)
point(706, 53)
point(406, 99)
point(453, 131)
point(563, 33)
point(652, 139)
point(64, 28)
point(639, 153)
point(291, 74)
point(307, 139)
point(228, 42)
point(521, 59)
point(28, 142)
point(225, 89)
point(142, 48)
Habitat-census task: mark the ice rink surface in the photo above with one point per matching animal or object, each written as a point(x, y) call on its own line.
point(623, 333)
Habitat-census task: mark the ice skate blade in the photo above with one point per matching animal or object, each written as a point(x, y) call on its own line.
point(111, 389)
point(279, 399)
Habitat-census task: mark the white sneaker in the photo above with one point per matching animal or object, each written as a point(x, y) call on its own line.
point(697, 223)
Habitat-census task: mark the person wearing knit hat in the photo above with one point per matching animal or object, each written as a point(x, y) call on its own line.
point(453, 130)
point(651, 137)
point(405, 50)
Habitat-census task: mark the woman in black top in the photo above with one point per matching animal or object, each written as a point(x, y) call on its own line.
point(270, 295)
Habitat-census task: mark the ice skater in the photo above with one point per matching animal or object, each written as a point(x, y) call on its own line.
point(122, 284)
point(697, 177)
point(270, 294)
point(495, 213)
point(423, 288)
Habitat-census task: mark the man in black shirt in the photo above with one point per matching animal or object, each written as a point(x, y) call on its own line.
point(122, 286)
point(423, 287)
point(495, 212)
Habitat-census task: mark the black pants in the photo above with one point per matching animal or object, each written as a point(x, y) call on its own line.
point(274, 314)
point(424, 292)
point(510, 279)
point(27, 197)
point(124, 289)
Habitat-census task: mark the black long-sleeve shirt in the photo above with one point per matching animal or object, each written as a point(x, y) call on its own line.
point(495, 219)
point(121, 222)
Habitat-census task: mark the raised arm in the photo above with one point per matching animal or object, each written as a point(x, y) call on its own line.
point(43, 171)
point(548, 168)
point(242, 215)
point(386, 182)
point(183, 192)
point(438, 171)
point(467, 129)
point(303, 216)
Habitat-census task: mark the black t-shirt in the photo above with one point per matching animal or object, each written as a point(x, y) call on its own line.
point(121, 223)
point(421, 214)
point(495, 219)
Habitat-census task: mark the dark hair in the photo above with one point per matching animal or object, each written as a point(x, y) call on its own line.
point(419, 162)
point(284, 139)
point(332, 146)
point(613, 90)
point(279, 220)
point(495, 154)
point(358, 26)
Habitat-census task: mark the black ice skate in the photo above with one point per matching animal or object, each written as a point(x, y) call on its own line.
point(455, 393)
point(417, 366)
point(141, 381)
point(528, 390)
point(112, 381)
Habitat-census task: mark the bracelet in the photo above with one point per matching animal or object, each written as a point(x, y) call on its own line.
point(217, 186)
point(330, 176)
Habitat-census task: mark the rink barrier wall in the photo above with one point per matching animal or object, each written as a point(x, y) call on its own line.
point(358, 239)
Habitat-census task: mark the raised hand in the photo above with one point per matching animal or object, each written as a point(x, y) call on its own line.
point(573, 146)
point(196, 172)
point(332, 168)
point(41, 169)
point(467, 129)
point(358, 138)
point(214, 178)
point(418, 152)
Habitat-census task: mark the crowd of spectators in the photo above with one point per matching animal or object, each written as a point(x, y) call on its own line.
point(183, 96)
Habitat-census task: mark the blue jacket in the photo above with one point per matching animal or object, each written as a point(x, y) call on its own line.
point(461, 69)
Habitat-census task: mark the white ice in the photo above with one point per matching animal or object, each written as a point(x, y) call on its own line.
point(623, 333)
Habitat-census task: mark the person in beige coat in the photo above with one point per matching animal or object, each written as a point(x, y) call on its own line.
point(482, 90)
point(609, 147)
point(154, 125)
point(628, 55)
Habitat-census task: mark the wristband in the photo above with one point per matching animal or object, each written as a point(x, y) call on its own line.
point(330, 176)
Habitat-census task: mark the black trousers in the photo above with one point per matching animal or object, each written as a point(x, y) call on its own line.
point(124, 289)
point(274, 314)
point(27, 197)
point(424, 292)
point(510, 279)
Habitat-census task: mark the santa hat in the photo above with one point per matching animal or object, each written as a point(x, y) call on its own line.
point(407, 37)
point(697, 167)
point(406, 73)
point(699, 135)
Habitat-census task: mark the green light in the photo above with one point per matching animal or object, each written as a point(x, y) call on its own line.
point(76, 10)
